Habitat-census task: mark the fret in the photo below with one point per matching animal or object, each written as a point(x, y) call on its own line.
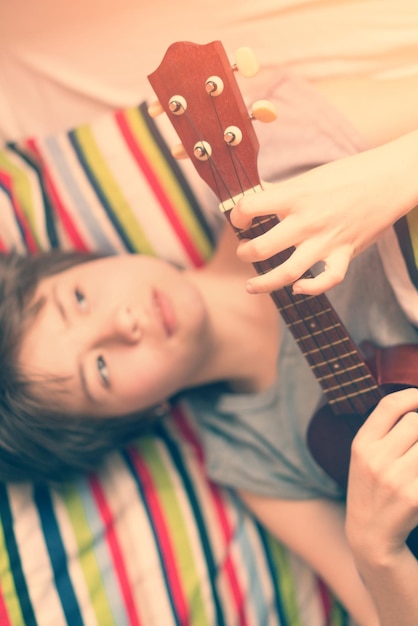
point(318, 333)
point(339, 372)
point(331, 344)
point(355, 394)
point(314, 316)
point(344, 384)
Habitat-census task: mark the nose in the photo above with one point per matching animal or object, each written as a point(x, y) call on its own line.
point(118, 325)
point(125, 325)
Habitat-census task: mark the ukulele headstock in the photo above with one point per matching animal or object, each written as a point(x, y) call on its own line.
point(197, 88)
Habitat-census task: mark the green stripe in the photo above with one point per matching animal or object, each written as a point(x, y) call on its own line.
point(10, 597)
point(169, 182)
point(178, 529)
point(86, 556)
point(22, 189)
point(110, 188)
point(412, 221)
point(284, 580)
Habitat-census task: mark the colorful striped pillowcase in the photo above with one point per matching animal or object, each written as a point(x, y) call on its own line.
point(147, 540)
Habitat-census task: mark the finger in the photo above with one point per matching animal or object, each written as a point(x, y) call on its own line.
point(403, 435)
point(335, 269)
point(280, 237)
point(256, 205)
point(286, 273)
point(387, 413)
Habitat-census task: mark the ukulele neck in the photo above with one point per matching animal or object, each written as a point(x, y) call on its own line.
point(332, 355)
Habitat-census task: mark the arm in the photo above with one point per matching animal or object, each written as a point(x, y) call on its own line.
point(314, 529)
point(330, 214)
point(382, 506)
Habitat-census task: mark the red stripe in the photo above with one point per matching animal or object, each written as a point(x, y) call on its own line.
point(163, 538)
point(118, 559)
point(4, 615)
point(228, 565)
point(7, 182)
point(69, 226)
point(324, 594)
point(156, 185)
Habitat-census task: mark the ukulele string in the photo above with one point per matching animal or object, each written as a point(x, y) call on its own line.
point(332, 363)
point(329, 354)
point(332, 360)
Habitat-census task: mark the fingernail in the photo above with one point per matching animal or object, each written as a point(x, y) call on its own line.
point(249, 288)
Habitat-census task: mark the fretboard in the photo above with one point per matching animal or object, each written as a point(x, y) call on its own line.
point(334, 358)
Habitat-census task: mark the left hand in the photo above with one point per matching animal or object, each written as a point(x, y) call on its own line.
point(329, 214)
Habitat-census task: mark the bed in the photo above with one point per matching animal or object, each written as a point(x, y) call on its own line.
point(147, 540)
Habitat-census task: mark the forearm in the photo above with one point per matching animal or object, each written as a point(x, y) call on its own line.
point(401, 159)
point(394, 587)
point(314, 529)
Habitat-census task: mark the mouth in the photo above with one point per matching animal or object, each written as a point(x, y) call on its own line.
point(165, 312)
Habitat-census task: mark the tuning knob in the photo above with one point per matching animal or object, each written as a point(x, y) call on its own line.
point(155, 109)
point(263, 111)
point(246, 62)
point(179, 152)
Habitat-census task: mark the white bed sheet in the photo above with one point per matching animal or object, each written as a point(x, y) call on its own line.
point(62, 63)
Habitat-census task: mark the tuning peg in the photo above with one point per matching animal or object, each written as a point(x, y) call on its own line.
point(263, 111)
point(178, 152)
point(155, 109)
point(246, 62)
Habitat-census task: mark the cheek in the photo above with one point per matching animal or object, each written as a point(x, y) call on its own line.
point(142, 384)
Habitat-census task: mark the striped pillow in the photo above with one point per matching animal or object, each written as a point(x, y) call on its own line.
point(147, 540)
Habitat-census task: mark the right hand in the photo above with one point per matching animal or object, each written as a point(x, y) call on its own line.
point(382, 496)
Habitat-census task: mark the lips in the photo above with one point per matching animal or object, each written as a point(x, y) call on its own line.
point(164, 310)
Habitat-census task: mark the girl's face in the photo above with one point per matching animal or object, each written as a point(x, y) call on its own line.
point(123, 333)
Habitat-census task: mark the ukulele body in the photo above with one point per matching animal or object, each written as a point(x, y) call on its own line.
point(330, 435)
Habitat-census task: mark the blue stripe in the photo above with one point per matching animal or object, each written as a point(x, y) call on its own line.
point(18, 223)
point(97, 188)
point(73, 189)
point(268, 609)
point(48, 207)
point(275, 572)
point(103, 557)
point(177, 457)
point(57, 555)
point(161, 555)
point(14, 559)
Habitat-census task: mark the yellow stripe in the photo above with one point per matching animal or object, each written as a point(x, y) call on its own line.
point(86, 556)
point(22, 190)
point(168, 181)
point(7, 585)
point(412, 220)
point(177, 526)
point(111, 190)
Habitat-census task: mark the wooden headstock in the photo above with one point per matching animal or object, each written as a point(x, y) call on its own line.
point(197, 88)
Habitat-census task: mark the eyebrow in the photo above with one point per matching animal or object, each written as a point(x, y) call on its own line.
point(81, 371)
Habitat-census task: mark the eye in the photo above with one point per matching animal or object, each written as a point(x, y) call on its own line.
point(81, 298)
point(103, 371)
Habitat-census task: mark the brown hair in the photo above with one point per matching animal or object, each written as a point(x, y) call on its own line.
point(38, 443)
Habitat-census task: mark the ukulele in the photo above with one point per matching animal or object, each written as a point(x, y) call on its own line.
point(197, 88)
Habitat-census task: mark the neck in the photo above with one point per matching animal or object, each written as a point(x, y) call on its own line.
point(243, 329)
